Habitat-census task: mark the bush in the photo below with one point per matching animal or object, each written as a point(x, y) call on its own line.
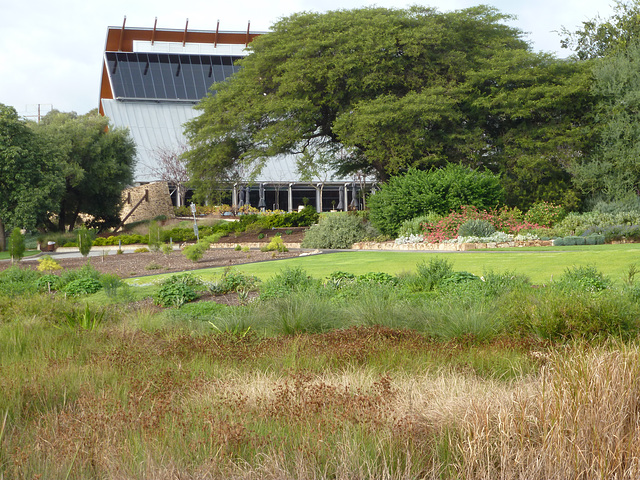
point(175, 294)
point(49, 282)
point(440, 191)
point(275, 245)
point(18, 281)
point(476, 228)
point(85, 240)
point(155, 236)
point(545, 214)
point(233, 281)
point(338, 230)
point(415, 225)
point(83, 286)
point(430, 275)
point(285, 282)
point(16, 245)
point(196, 252)
point(584, 278)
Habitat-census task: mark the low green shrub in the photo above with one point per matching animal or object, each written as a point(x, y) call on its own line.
point(583, 278)
point(430, 275)
point(82, 286)
point(338, 230)
point(233, 281)
point(49, 283)
point(174, 294)
point(275, 245)
point(476, 228)
point(285, 282)
point(196, 251)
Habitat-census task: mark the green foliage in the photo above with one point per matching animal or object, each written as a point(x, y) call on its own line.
point(233, 281)
point(155, 236)
point(583, 278)
point(82, 286)
point(414, 226)
point(285, 282)
point(174, 294)
point(337, 230)
point(476, 228)
point(16, 245)
point(110, 284)
point(49, 282)
point(400, 89)
point(430, 275)
point(439, 191)
point(96, 162)
point(18, 281)
point(196, 252)
point(48, 264)
point(85, 240)
point(30, 179)
point(545, 214)
point(86, 318)
point(613, 169)
point(275, 245)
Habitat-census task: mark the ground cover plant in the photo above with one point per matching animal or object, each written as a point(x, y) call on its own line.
point(439, 373)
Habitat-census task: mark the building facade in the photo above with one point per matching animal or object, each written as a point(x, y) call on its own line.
point(151, 80)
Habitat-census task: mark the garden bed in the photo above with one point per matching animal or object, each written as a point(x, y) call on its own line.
point(448, 247)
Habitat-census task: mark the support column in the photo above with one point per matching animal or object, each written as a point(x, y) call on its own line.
point(290, 198)
point(234, 197)
point(346, 197)
point(319, 197)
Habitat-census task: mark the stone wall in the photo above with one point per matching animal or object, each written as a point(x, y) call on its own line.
point(157, 202)
point(448, 247)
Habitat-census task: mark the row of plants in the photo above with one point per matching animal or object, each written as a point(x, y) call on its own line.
point(437, 301)
point(49, 277)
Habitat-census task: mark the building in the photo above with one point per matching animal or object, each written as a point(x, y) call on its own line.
point(151, 80)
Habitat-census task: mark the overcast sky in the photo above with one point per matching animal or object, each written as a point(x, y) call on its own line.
point(51, 51)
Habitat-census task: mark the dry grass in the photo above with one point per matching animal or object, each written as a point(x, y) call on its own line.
point(121, 402)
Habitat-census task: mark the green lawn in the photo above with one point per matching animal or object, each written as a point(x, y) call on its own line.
point(540, 264)
point(28, 253)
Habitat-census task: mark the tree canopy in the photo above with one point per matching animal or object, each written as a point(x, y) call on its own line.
point(96, 164)
point(398, 89)
point(30, 182)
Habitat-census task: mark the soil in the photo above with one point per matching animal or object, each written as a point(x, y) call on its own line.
point(153, 263)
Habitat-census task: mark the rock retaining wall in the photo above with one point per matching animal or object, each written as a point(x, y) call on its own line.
point(158, 202)
point(448, 247)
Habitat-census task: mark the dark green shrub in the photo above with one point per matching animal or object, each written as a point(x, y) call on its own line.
point(110, 284)
point(457, 278)
point(85, 240)
point(82, 286)
point(174, 294)
point(49, 283)
point(338, 230)
point(196, 252)
point(440, 191)
point(16, 245)
point(18, 281)
point(155, 236)
point(476, 228)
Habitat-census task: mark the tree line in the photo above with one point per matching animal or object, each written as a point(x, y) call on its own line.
point(60, 169)
point(382, 91)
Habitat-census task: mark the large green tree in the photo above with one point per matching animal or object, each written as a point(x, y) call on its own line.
point(96, 163)
point(397, 89)
point(599, 37)
point(30, 181)
point(612, 170)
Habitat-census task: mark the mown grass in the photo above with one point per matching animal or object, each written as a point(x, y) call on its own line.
point(541, 264)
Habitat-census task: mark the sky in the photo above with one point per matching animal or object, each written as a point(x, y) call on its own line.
point(51, 51)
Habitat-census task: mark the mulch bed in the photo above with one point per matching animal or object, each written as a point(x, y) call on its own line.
point(152, 263)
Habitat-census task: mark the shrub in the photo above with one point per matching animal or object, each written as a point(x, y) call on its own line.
point(174, 294)
point(83, 286)
point(414, 226)
point(110, 284)
point(440, 191)
point(85, 241)
point(17, 281)
point(476, 228)
point(275, 245)
point(49, 282)
point(285, 282)
point(48, 264)
point(155, 236)
point(196, 252)
point(585, 278)
point(16, 245)
point(430, 275)
point(337, 230)
point(545, 214)
point(232, 281)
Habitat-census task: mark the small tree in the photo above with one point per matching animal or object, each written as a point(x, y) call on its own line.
point(170, 167)
point(155, 234)
point(16, 245)
point(85, 242)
